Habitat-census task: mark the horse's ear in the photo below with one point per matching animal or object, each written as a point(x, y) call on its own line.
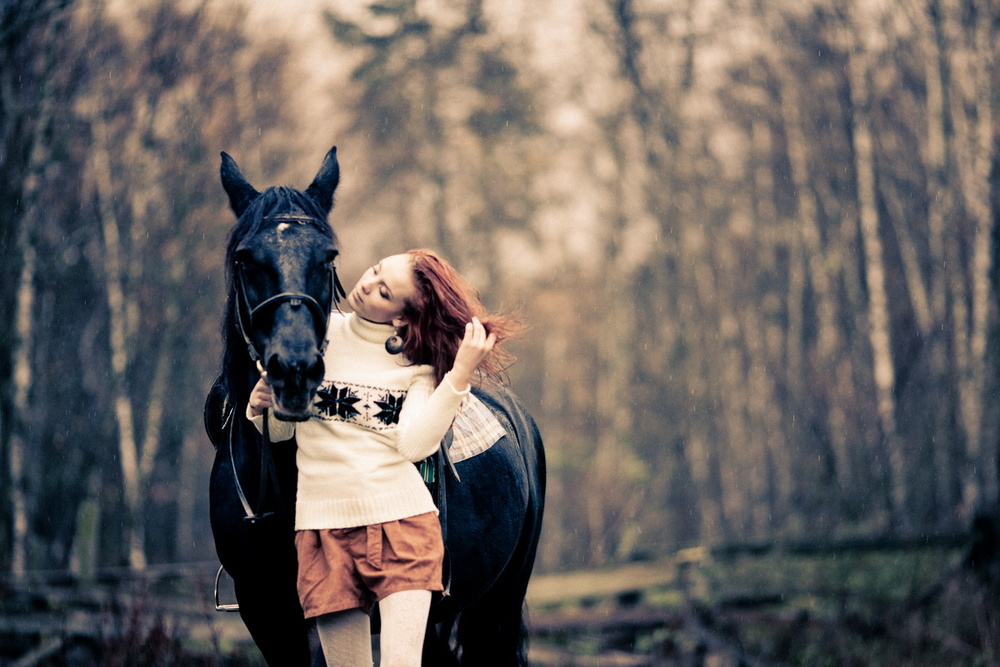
point(240, 192)
point(327, 178)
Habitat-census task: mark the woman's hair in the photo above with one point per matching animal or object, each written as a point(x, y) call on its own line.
point(437, 316)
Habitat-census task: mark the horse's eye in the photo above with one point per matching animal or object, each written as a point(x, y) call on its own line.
point(245, 260)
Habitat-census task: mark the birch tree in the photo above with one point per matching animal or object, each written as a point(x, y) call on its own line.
point(879, 331)
point(128, 447)
point(967, 73)
point(52, 21)
point(828, 352)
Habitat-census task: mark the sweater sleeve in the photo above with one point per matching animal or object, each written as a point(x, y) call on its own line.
point(278, 430)
point(426, 416)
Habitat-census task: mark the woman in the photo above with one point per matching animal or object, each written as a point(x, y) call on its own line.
point(397, 370)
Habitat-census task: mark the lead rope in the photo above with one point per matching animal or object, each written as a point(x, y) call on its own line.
point(236, 477)
point(266, 469)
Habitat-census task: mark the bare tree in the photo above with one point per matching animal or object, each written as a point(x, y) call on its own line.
point(52, 19)
point(966, 71)
point(884, 373)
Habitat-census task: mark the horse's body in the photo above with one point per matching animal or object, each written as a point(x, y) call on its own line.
point(280, 257)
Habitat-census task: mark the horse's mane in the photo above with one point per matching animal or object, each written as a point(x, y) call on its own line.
point(238, 374)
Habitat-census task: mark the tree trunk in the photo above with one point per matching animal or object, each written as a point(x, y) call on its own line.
point(940, 208)
point(970, 86)
point(188, 489)
point(134, 530)
point(829, 350)
point(23, 343)
point(916, 286)
point(137, 460)
point(879, 332)
point(717, 491)
point(616, 468)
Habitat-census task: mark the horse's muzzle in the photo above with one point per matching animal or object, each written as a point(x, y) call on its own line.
point(294, 386)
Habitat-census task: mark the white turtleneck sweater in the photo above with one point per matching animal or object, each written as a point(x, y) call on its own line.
point(373, 417)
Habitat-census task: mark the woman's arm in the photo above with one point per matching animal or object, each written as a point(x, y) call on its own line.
point(425, 417)
point(428, 412)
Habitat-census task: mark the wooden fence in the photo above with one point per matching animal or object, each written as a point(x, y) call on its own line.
point(606, 616)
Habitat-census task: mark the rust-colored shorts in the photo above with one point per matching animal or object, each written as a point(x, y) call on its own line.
point(347, 568)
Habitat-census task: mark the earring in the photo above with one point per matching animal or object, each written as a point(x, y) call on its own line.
point(394, 344)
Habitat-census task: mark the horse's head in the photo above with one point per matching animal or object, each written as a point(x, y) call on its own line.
point(281, 282)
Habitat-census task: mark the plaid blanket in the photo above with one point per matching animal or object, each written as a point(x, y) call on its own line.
point(475, 430)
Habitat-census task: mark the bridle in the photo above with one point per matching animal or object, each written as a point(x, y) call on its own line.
point(320, 313)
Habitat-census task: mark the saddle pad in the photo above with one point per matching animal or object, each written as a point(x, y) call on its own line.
point(474, 430)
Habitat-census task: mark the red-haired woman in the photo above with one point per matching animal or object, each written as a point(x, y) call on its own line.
point(397, 370)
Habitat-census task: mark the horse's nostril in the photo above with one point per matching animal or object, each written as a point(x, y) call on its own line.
point(316, 370)
point(275, 369)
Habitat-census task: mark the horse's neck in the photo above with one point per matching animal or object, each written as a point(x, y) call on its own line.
point(240, 376)
point(237, 367)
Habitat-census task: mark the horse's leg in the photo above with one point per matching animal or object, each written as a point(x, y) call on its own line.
point(270, 609)
point(437, 644)
point(261, 560)
point(492, 632)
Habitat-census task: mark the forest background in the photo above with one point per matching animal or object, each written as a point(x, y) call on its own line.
point(755, 243)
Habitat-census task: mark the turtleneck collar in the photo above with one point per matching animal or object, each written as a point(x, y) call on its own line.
point(373, 332)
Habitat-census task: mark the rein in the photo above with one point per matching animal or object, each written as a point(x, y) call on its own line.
point(267, 471)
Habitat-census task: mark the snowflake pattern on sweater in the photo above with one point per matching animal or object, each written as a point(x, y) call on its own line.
point(375, 408)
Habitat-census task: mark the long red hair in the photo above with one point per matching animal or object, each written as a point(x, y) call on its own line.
point(437, 316)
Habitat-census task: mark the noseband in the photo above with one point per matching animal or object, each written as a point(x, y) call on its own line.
point(320, 314)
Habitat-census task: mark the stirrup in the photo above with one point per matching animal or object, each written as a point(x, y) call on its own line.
point(223, 607)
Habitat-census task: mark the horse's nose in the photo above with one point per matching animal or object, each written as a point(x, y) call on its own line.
point(282, 372)
point(294, 383)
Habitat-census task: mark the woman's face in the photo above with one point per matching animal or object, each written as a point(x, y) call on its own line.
point(383, 291)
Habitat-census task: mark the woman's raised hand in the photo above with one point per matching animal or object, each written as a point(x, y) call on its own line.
point(476, 346)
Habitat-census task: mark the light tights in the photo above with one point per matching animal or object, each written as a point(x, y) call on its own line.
point(346, 638)
point(346, 635)
point(404, 621)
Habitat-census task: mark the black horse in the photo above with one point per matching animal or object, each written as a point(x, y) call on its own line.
point(281, 287)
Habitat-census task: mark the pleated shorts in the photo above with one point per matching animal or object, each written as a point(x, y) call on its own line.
point(348, 568)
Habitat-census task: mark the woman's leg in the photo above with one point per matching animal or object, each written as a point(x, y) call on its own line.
point(346, 638)
point(404, 621)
